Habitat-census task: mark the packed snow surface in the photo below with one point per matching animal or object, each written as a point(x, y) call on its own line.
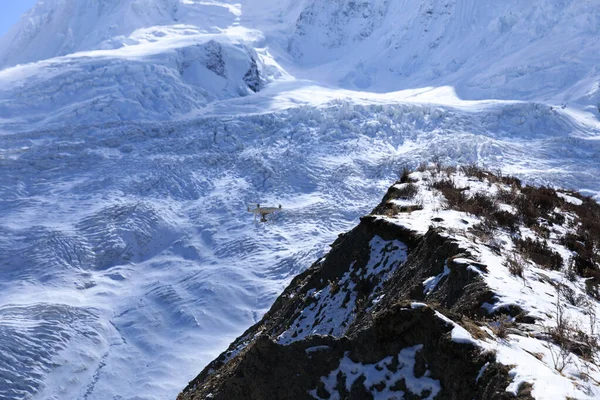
point(133, 135)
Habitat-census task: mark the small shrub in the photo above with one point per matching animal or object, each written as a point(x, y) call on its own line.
point(511, 181)
point(567, 334)
point(571, 296)
point(363, 288)
point(505, 219)
point(544, 199)
point(335, 287)
point(540, 253)
point(443, 184)
point(514, 265)
point(450, 171)
point(572, 242)
point(437, 164)
point(592, 288)
point(528, 213)
point(588, 214)
point(473, 171)
point(500, 326)
point(483, 230)
point(586, 259)
point(541, 230)
point(507, 196)
point(535, 203)
point(388, 209)
point(558, 218)
point(584, 345)
point(411, 208)
point(561, 334)
point(454, 196)
point(480, 204)
point(571, 273)
point(404, 175)
point(407, 191)
point(585, 265)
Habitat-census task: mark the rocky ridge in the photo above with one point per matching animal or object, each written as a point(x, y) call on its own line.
point(459, 284)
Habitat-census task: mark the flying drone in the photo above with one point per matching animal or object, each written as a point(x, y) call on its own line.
point(263, 211)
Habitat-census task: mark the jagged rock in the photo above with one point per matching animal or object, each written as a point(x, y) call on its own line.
point(253, 77)
point(214, 60)
point(268, 370)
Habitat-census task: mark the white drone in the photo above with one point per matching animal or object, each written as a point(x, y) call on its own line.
point(263, 211)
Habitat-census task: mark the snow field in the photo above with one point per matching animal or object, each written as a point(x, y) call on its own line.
point(183, 266)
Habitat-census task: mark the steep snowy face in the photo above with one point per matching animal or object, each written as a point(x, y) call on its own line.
point(539, 50)
point(106, 61)
point(58, 27)
point(542, 51)
point(151, 80)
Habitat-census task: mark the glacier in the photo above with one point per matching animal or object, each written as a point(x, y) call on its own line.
point(133, 135)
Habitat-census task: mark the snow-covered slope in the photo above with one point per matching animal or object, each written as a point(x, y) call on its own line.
point(135, 133)
point(135, 60)
point(543, 50)
point(60, 27)
point(166, 73)
point(129, 260)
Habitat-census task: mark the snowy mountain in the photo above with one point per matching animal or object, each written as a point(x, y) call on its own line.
point(544, 51)
point(134, 60)
point(540, 50)
point(107, 86)
point(460, 284)
point(134, 134)
point(59, 27)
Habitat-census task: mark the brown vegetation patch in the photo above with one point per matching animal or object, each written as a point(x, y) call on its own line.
point(540, 253)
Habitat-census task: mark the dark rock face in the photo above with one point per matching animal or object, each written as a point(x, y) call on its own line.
point(266, 370)
point(214, 58)
point(253, 78)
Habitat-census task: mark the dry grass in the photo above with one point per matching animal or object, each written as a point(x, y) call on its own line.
point(404, 175)
point(540, 253)
point(407, 191)
point(454, 196)
point(514, 265)
point(500, 326)
point(536, 208)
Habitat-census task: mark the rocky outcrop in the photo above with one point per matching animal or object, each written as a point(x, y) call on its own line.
point(414, 303)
